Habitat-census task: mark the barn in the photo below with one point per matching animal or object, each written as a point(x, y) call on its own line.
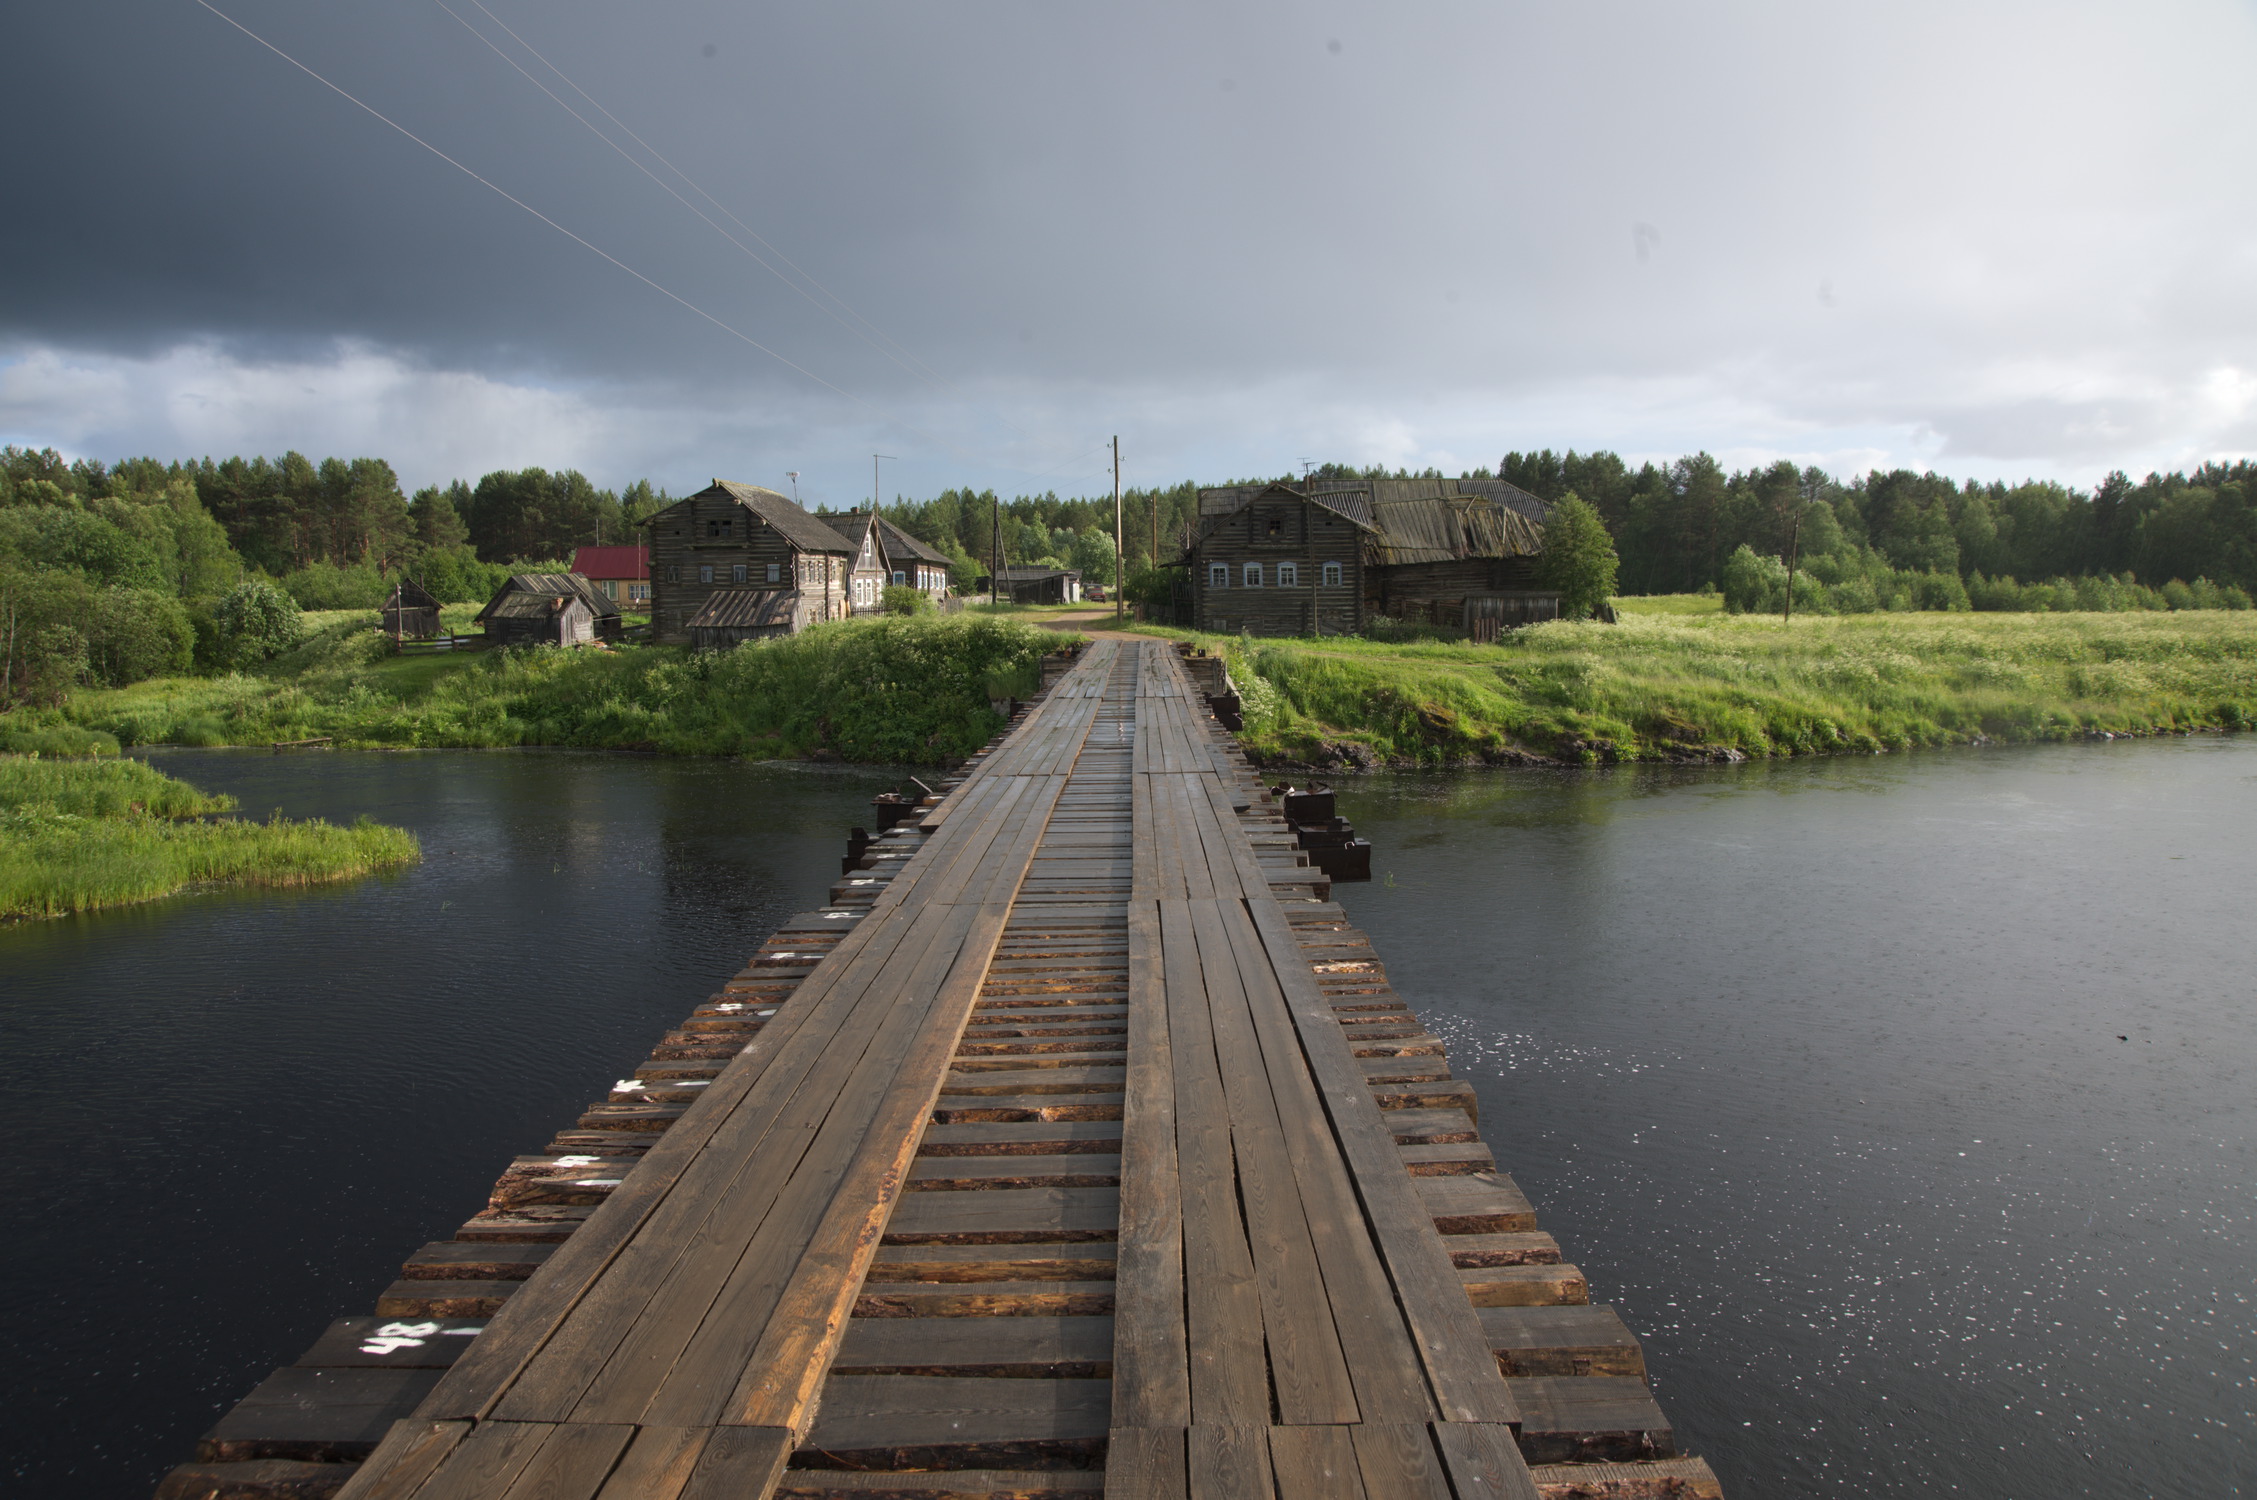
point(409, 612)
point(549, 609)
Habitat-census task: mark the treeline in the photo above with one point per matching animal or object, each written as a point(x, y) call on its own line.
point(1888, 537)
point(1046, 531)
point(115, 573)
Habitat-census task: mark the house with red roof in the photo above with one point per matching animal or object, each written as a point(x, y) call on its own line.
point(621, 574)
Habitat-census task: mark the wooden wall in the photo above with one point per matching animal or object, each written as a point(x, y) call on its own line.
point(1436, 592)
point(712, 530)
point(1272, 528)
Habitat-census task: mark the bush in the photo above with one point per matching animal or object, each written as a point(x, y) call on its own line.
point(1578, 558)
point(901, 599)
point(254, 623)
point(328, 586)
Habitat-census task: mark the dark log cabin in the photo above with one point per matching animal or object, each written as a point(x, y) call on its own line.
point(1328, 558)
point(410, 613)
point(744, 538)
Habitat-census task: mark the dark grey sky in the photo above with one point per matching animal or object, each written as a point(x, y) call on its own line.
point(1998, 238)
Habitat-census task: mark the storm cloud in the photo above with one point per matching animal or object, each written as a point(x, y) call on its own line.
point(2002, 239)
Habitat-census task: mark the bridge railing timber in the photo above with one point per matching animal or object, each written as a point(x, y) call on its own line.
point(1078, 1147)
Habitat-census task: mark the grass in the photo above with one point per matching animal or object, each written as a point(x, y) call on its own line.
point(889, 689)
point(78, 835)
point(1670, 604)
point(1671, 685)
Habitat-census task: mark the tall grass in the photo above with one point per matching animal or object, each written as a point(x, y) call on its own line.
point(75, 836)
point(1690, 686)
point(895, 689)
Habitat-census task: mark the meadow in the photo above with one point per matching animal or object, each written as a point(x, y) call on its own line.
point(1677, 679)
point(80, 834)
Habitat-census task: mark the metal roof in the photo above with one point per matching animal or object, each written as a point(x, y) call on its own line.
point(744, 609)
point(611, 562)
point(797, 527)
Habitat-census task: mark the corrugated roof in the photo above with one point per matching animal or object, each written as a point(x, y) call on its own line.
point(611, 562)
point(548, 585)
point(745, 609)
point(799, 528)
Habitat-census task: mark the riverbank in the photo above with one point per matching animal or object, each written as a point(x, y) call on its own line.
point(83, 834)
point(1667, 686)
point(892, 690)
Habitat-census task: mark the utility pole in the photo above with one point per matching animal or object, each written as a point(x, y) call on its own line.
point(995, 555)
point(1120, 572)
point(874, 480)
point(1794, 555)
point(793, 476)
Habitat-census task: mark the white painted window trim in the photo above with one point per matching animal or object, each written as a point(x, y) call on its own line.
point(1218, 575)
point(1332, 575)
point(1253, 572)
point(1288, 575)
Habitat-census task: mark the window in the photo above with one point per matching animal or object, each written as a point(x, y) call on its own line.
point(1332, 575)
point(775, 572)
point(1253, 575)
point(1218, 575)
point(705, 573)
point(899, 577)
point(737, 573)
point(673, 573)
point(720, 528)
point(638, 593)
point(1288, 575)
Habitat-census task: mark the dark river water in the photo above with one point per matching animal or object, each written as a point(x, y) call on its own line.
point(1907, 1107)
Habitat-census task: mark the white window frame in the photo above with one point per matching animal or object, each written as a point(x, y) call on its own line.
point(705, 573)
point(1218, 575)
point(1253, 572)
point(900, 579)
point(737, 573)
point(1288, 575)
point(775, 572)
point(1332, 575)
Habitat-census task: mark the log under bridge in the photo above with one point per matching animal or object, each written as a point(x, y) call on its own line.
point(1079, 1147)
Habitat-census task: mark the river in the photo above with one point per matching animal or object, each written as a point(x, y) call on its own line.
point(1906, 1107)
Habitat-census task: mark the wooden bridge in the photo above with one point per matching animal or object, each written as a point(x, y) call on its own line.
point(1079, 1147)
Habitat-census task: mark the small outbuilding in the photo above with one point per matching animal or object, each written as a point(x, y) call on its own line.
point(549, 609)
point(1040, 585)
point(730, 617)
point(410, 613)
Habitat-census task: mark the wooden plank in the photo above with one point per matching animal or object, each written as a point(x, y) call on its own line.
point(409, 1454)
point(1482, 1461)
point(572, 1465)
point(1319, 1463)
point(488, 1461)
point(1308, 1370)
point(1398, 1459)
point(893, 1421)
point(1446, 1332)
point(1230, 1463)
point(1152, 1374)
point(658, 1463)
point(1146, 1463)
point(1023, 1348)
point(738, 1462)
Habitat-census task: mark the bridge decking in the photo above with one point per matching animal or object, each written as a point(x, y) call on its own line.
point(1060, 1155)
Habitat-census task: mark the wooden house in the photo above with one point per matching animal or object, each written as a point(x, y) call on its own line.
point(739, 537)
point(410, 613)
point(622, 574)
point(869, 572)
point(549, 609)
point(730, 617)
point(1328, 557)
point(918, 565)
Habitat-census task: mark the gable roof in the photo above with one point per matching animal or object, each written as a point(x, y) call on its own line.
point(899, 543)
point(1410, 520)
point(408, 594)
point(545, 587)
point(854, 525)
point(611, 562)
point(796, 526)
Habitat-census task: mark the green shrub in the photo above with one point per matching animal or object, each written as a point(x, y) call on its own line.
point(254, 622)
point(901, 599)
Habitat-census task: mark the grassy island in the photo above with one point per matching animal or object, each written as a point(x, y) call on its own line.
point(1677, 680)
point(81, 834)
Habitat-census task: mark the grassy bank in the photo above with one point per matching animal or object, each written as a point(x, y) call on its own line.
point(890, 689)
point(76, 835)
point(1693, 684)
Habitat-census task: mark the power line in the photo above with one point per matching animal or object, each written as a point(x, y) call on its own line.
point(536, 213)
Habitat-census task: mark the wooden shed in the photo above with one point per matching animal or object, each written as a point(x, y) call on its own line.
point(549, 609)
point(730, 617)
point(1041, 585)
point(409, 612)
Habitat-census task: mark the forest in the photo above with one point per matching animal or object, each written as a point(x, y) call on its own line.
point(111, 574)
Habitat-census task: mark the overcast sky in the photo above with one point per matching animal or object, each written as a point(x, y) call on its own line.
point(1995, 239)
